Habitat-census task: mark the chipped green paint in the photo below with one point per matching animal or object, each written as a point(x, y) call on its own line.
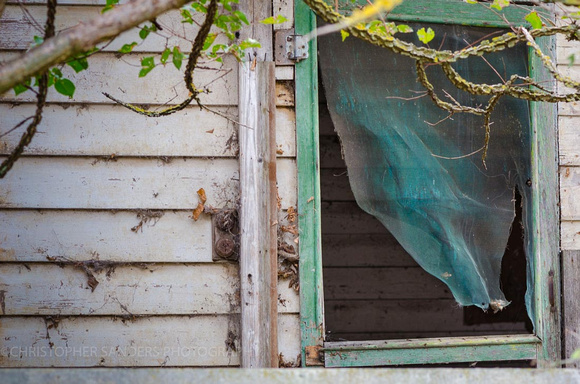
point(545, 212)
point(547, 345)
point(457, 12)
point(310, 248)
point(431, 351)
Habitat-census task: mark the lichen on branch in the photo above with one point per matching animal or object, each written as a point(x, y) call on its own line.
point(526, 88)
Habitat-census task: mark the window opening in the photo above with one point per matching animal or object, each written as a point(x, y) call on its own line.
point(373, 288)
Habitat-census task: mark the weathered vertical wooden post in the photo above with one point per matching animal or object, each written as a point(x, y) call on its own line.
point(258, 259)
point(571, 288)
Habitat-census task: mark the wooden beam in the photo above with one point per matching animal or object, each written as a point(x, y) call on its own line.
point(571, 307)
point(307, 158)
point(256, 167)
point(545, 215)
point(258, 258)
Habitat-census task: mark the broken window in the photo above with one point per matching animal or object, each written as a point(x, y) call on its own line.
point(420, 173)
point(419, 170)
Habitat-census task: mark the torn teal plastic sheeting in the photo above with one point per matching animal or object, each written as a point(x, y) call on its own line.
point(419, 170)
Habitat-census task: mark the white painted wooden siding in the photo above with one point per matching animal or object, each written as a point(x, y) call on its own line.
point(569, 150)
point(140, 342)
point(82, 187)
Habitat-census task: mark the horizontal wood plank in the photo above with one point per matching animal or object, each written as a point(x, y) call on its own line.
point(335, 185)
point(570, 232)
point(35, 235)
point(569, 191)
point(569, 109)
point(168, 289)
point(382, 283)
point(285, 93)
point(283, 8)
point(130, 183)
point(354, 336)
point(330, 152)
point(569, 140)
point(285, 72)
point(364, 250)
point(151, 341)
point(347, 218)
point(102, 130)
point(404, 316)
point(160, 86)
point(18, 31)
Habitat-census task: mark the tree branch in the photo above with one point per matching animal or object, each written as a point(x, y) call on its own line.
point(81, 38)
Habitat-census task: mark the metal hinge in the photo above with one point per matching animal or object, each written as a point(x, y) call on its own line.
point(289, 47)
point(296, 47)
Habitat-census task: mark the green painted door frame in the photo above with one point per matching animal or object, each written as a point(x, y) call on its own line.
point(545, 345)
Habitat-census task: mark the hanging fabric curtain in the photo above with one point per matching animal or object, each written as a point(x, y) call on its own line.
point(419, 170)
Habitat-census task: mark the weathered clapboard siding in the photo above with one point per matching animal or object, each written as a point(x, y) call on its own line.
point(569, 190)
point(98, 130)
point(129, 183)
point(283, 8)
point(375, 283)
point(364, 250)
point(178, 289)
point(362, 336)
point(19, 31)
point(36, 235)
point(569, 138)
point(140, 342)
point(392, 316)
point(346, 218)
point(160, 86)
point(569, 157)
point(69, 172)
point(570, 235)
point(336, 183)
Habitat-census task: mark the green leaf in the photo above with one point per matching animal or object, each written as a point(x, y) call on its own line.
point(575, 355)
point(534, 20)
point(177, 57)
point(277, 20)
point(500, 4)
point(186, 16)
point(209, 41)
point(344, 34)
point(165, 55)
point(147, 65)
point(65, 87)
point(21, 88)
point(79, 64)
point(57, 72)
point(110, 5)
point(199, 8)
point(470, 1)
point(37, 41)
point(126, 48)
point(242, 16)
point(403, 28)
point(143, 33)
point(571, 60)
point(249, 43)
point(425, 36)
